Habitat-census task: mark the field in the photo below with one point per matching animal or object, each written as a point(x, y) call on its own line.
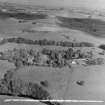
point(92, 26)
point(50, 53)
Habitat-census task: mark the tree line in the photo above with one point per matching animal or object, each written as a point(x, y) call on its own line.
point(46, 42)
point(17, 87)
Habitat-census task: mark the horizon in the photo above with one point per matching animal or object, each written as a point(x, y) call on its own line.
point(89, 4)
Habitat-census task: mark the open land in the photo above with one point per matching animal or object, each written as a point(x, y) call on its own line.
point(51, 53)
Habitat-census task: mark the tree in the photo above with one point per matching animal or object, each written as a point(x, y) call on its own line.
point(8, 76)
point(102, 46)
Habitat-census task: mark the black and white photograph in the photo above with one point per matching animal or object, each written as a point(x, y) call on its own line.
point(52, 52)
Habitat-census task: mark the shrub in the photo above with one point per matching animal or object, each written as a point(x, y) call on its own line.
point(44, 83)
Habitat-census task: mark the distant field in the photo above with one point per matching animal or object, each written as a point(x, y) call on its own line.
point(24, 16)
point(94, 27)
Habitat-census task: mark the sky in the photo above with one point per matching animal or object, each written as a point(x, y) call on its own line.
point(92, 4)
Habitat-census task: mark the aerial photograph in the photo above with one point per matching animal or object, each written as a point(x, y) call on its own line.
point(52, 52)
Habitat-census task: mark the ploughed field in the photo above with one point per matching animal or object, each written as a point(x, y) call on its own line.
point(45, 56)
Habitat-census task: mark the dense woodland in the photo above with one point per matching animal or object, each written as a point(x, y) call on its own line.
point(48, 57)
